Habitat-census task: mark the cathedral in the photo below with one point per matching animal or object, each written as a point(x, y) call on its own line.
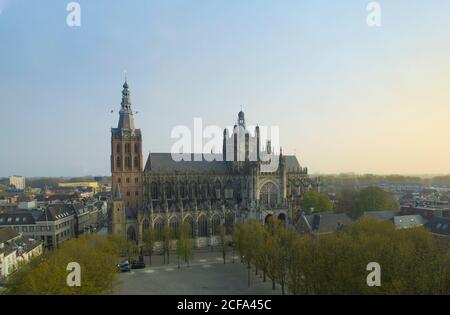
point(204, 192)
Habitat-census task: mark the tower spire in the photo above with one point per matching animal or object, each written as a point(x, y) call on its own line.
point(126, 119)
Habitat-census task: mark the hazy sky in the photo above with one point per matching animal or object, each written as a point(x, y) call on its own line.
point(347, 97)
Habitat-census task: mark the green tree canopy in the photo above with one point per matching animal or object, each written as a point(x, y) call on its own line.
point(355, 203)
point(97, 255)
point(317, 201)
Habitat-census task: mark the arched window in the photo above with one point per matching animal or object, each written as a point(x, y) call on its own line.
point(154, 191)
point(229, 191)
point(268, 195)
point(127, 148)
point(182, 190)
point(159, 229)
point(169, 190)
point(205, 190)
point(136, 162)
point(174, 227)
point(127, 162)
point(136, 148)
point(194, 190)
point(118, 162)
point(217, 189)
point(118, 148)
point(190, 221)
point(215, 225)
point(229, 222)
point(202, 226)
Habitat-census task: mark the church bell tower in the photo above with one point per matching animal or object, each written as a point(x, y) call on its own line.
point(126, 157)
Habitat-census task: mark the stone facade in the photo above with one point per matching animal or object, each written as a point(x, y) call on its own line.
point(230, 189)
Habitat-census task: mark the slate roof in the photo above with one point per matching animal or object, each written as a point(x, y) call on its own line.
point(439, 225)
point(164, 163)
point(207, 163)
point(19, 217)
point(324, 222)
point(7, 234)
point(291, 163)
point(381, 215)
point(409, 221)
point(56, 212)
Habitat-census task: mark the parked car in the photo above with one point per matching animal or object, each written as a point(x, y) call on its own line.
point(137, 265)
point(124, 266)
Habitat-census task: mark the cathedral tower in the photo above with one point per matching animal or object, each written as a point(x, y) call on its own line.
point(126, 157)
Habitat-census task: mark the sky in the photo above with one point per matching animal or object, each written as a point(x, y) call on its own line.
point(347, 97)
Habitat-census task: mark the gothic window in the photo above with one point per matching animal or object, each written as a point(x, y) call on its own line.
point(229, 192)
point(128, 179)
point(174, 227)
point(217, 189)
point(202, 226)
point(127, 148)
point(169, 190)
point(229, 222)
point(118, 148)
point(159, 229)
point(136, 162)
point(136, 148)
point(194, 189)
point(118, 162)
point(215, 225)
point(182, 190)
point(128, 163)
point(136, 180)
point(190, 221)
point(154, 190)
point(268, 195)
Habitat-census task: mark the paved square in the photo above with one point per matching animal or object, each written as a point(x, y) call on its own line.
point(206, 275)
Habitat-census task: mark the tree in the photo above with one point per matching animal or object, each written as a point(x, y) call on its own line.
point(46, 274)
point(317, 201)
point(149, 239)
point(184, 244)
point(166, 242)
point(375, 199)
point(223, 242)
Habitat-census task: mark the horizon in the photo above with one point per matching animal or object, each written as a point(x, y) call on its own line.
point(348, 98)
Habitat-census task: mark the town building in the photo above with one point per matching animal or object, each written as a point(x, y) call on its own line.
point(18, 182)
point(52, 225)
point(16, 249)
